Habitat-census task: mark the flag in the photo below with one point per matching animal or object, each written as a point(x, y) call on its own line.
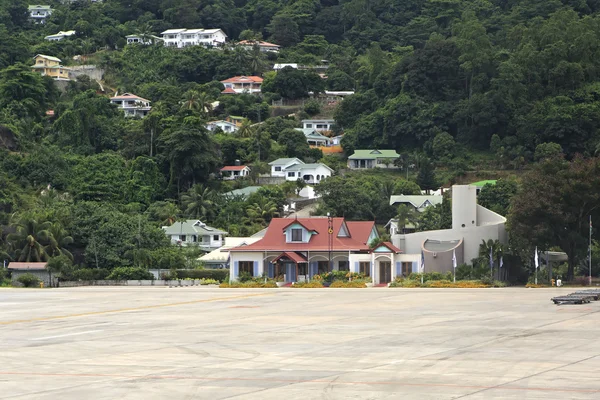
point(535, 258)
point(491, 259)
point(501, 262)
point(422, 266)
point(454, 259)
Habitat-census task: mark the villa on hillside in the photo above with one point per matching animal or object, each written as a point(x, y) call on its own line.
point(181, 38)
point(265, 47)
point(293, 169)
point(142, 39)
point(242, 84)
point(363, 159)
point(232, 172)
point(314, 137)
point(59, 36)
point(320, 125)
point(39, 13)
point(193, 232)
point(297, 249)
point(50, 66)
point(132, 105)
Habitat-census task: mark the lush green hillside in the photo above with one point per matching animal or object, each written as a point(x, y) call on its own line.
point(459, 86)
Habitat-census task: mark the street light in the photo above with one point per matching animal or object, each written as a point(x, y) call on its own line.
point(330, 238)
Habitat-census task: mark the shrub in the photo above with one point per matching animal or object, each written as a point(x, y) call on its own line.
point(130, 273)
point(87, 274)
point(431, 276)
point(209, 281)
point(221, 275)
point(312, 108)
point(29, 280)
point(249, 284)
point(335, 276)
point(350, 284)
point(312, 284)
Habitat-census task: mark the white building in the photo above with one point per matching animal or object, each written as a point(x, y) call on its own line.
point(194, 232)
point(193, 37)
point(318, 124)
point(314, 138)
point(418, 202)
point(278, 67)
point(365, 159)
point(39, 13)
point(471, 223)
point(142, 39)
point(59, 36)
point(219, 258)
point(278, 166)
point(232, 172)
point(242, 84)
point(310, 173)
point(132, 105)
point(225, 126)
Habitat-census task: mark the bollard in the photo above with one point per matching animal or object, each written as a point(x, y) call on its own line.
point(41, 285)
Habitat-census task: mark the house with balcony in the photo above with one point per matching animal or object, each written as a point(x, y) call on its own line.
point(193, 232)
point(60, 36)
point(320, 125)
point(180, 38)
point(314, 137)
point(295, 250)
point(232, 172)
point(309, 173)
point(142, 39)
point(278, 166)
point(242, 84)
point(39, 13)
point(132, 105)
point(225, 126)
point(50, 66)
point(264, 47)
point(364, 159)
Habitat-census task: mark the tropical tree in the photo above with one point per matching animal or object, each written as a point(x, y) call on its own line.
point(58, 240)
point(197, 202)
point(262, 211)
point(407, 215)
point(196, 102)
point(28, 238)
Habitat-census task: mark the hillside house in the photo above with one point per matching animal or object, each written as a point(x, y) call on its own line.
point(294, 250)
point(232, 172)
point(39, 13)
point(320, 125)
point(264, 47)
point(225, 126)
point(310, 173)
point(314, 137)
point(143, 39)
point(194, 232)
point(363, 159)
point(60, 36)
point(132, 105)
point(181, 38)
point(278, 166)
point(242, 84)
point(50, 66)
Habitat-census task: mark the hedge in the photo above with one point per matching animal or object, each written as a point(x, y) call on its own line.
point(130, 273)
point(220, 275)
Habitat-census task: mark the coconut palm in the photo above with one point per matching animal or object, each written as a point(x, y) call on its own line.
point(257, 60)
point(197, 201)
point(262, 211)
point(28, 238)
point(196, 102)
point(247, 129)
point(58, 240)
point(406, 215)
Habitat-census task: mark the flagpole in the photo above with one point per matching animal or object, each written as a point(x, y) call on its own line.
point(590, 251)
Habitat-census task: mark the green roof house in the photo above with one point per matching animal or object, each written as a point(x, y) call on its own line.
point(363, 159)
point(314, 138)
point(193, 232)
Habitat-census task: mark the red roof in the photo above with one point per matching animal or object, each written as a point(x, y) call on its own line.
point(258, 42)
point(128, 96)
point(274, 240)
point(228, 91)
point(233, 168)
point(295, 257)
point(390, 246)
point(27, 265)
point(244, 79)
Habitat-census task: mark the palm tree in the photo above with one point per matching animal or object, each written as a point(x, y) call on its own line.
point(197, 201)
point(257, 60)
point(196, 102)
point(167, 212)
point(58, 240)
point(240, 56)
point(247, 129)
point(406, 215)
point(27, 239)
point(262, 211)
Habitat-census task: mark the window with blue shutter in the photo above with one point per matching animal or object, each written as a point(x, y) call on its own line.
point(256, 269)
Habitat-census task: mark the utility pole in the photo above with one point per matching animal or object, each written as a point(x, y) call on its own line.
point(330, 237)
point(590, 251)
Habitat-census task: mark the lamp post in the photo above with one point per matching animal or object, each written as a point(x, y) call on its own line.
point(330, 238)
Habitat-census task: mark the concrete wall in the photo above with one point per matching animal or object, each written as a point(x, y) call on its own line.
point(92, 71)
point(41, 275)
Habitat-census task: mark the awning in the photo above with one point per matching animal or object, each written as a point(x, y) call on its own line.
point(295, 257)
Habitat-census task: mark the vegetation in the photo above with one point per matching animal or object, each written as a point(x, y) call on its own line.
point(493, 89)
point(29, 280)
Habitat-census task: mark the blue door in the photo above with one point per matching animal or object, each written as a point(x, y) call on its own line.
point(290, 272)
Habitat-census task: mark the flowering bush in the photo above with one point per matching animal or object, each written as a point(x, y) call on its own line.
point(249, 284)
point(312, 284)
point(350, 284)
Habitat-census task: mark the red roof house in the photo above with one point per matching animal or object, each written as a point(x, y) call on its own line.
point(297, 249)
point(243, 84)
point(231, 172)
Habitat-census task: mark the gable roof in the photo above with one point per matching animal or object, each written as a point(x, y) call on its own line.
point(47, 57)
point(318, 120)
point(221, 121)
point(417, 200)
point(30, 8)
point(300, 167)
point(284, 161)
point(245, 192)
point(128, 96)
point(191, 227)
point(389, 246)
point(243, 79)
point(373, 154)
point(234, 168)
point(221, 254)
point(21, 266)
point(312, 133)
point(483, 183)
point(228, 90)
point(274, 240)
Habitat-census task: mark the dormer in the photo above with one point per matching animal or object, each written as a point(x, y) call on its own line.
point(344, 232)
point(200, 224)
point(375, 152)
point(297, 233)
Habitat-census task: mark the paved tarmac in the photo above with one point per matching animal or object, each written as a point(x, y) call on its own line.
point(208, 343)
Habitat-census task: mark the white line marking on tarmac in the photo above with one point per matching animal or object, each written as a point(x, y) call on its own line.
point(66, 334)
